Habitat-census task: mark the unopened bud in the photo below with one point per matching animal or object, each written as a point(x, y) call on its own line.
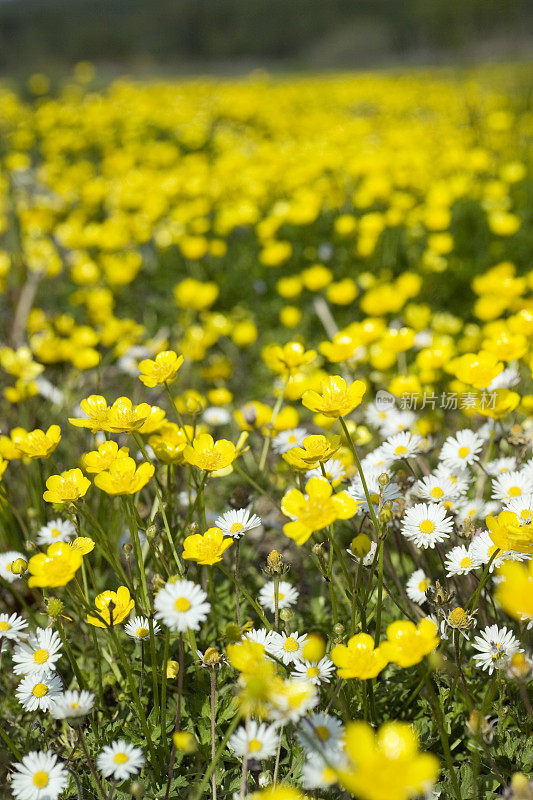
point(383, 479)
point(184, 741)
point(137, 788)
point(338, 629)
point(18, 566)
point(151, 532)
point(127, 548)
point(286, 614)
point(173, 669)
point(275, 563)
point(212, 657)
point(264, 779)
point(521, 787)
point(314, 648)
point(361, 545)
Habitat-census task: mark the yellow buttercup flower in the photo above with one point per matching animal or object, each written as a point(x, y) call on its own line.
point(286, 359)
point(336, 399)
point(97, 411)
point(56, 567)
point(508, 534)
point(101, 459)
point(407, 643)
point(341, 348)
point(169, 442)
point(84, 544)
point(124, 477)
point(38, 444)
point(476, 369)
point(278, 793)
point(386, 765)
point(209, 455)
point(195, 295)
point(153, 422)
point(515, 590)
point(315, 510)
point(112, 607)
point(163, 370)
point(359, 658)
point(124, 417)
point(206, 548)
point(316, 449)
point(67, 487)
point(498, 404)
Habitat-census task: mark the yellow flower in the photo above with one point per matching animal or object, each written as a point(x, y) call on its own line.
point(84, 544)
point(169, 442)
point(283, 360)
point(3, 466)
point(124, 417)
point(476, 369)
point(209, 455)
point(9, 444)
point(163, 370)
point(56, 567)
point(315, 510)
point(124, 477)
point(97, 411)
point(407, 643)
point(315, 450)
point(245, 655)
point(508, 534)
point(155, 419)
point(515, 591)
point(278, 793)
point(206, 548)
point(100, 459)
point(112, 607)
point(386, 765)
point(336, 398)
point(500, 403)
point(359, 658)
point(38, 444)
point(341, 348)
point(195, 295)
point(67, 487)
point(184, 741)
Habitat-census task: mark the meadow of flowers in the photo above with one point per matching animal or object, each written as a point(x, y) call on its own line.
point(266, 480)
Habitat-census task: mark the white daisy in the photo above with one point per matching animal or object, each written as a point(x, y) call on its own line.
point(139, 628)
point(317, 672)
point(182, 605)
point(396, 422)
point(39, 776)
point(58, 530)
point(375, 462)
point(461, 478)
point(461, 450)
point(288, 648)
point(495, 647)
point(470, 509)
point(215, 415)
point(6, 559)
point(437, 490)
point(38, 691)
point(459, 561)
point(426, 525)
point(320, 732)
point(293, 700)
point(255, 740)
point(39, 654)
point(511, 485)
point(317, 773)
point(72, 704)
point(333, 468)
point(499, 465)
point(236, 522)
point(417, 586)
point(12, 627)
point(522, 507)
point(507, 378)
point(120, 760)
point(285, 440)
point(401, 445)
point(287, 596)
point(260, 635)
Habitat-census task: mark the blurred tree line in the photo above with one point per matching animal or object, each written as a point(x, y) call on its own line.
point(43, 33)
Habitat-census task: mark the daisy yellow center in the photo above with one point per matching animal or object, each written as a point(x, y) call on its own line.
point(423, 585)
point(254, 745)
point(4, 626)
point(236, 527)
point(290, 644)
point(292, 439)
point(40, 656)
point(141, 632)
point(515, 491)
point(40, 690)
point(465, 562)
point(427, 526)
point(436, 492)
point(280, 595)
point(374, 497)
point(322, 732)
point(74, 706)
point(120, 758)
point(312, 672)
point(463, 452)
point(182, 604)
point(401, 450)
point(54, 533)
point(40, 779)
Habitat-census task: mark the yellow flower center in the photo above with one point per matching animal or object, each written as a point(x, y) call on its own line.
point(40, 656)
point(141, 632)
point(236, 527)
point(465, 562)
point(280, 595)
point(328, 775)
point(436, 492)
point(374, 497)
point(458, 618)
point(427, 526)
point(54, 533)
point(515, 491)
point(254, 745)
point(120, 758)
point(312, 672)
point(4, 626)
point(322, 732)
point(182, 604)
point(290, 644)
point(423, 585)
point(463, 452)
point(74, 706)
point(401, 450)
point(40, 779)
point(40, 690)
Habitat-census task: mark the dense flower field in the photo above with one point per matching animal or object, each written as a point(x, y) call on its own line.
point(266, 481)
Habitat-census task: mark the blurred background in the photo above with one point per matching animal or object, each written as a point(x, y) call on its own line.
point(238, 35)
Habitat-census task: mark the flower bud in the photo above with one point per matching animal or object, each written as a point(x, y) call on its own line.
point(361, 545)
point(184, 741)
point(151, 532)
point(264, 779)
point(212, 657)
point(137, 788)
point(18, 566)
point(274, 563)
point(286, 614)
point(314, 648)
point(173, 669)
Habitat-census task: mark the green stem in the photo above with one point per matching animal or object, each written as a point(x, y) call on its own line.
point(216, 758)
